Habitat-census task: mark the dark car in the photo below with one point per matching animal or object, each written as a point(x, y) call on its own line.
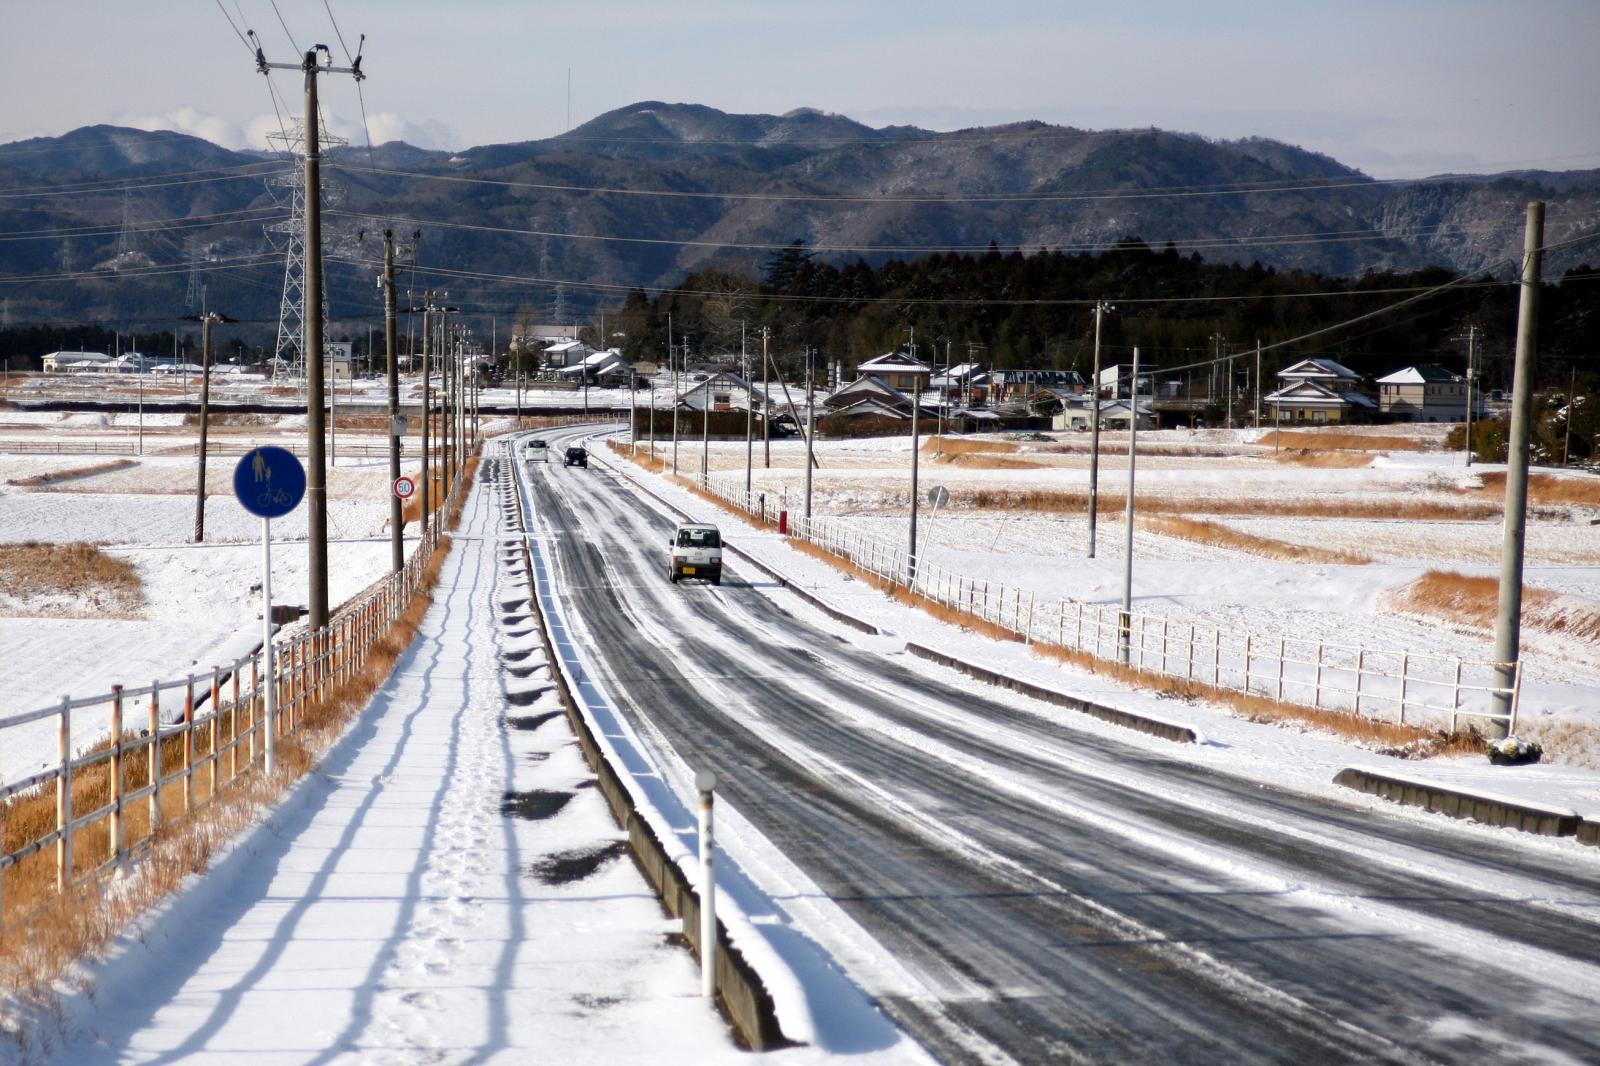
point(576, 457)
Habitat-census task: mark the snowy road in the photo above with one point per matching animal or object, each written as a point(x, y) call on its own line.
point(1061, 895)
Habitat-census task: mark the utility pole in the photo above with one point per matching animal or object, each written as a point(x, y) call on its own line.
point(766, 399)
point(1100, 309)
point(1566, 440)
point(205, 421)
point(316, 473)
point(1230, 388)
point(397, 554)
point(811, 430)
point(705, 435)
point(675, 396)
point(446, 406)
point(1508, 623)
point(749, 413)
point(1125, 623)
point(1258, 382)
point(1472, 338)
point(427, 409)
point(916, 409)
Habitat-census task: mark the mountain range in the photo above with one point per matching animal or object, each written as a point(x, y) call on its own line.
point(643, 194)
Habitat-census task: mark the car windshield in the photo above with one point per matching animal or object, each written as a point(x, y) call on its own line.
point(698, 538)
point(536, 444)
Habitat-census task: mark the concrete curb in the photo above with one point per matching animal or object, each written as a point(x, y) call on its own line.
point(1460, 803)
point(742, 994)
point(1154, 726)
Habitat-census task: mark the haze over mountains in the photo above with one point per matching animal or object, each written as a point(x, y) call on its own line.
point(822, 179)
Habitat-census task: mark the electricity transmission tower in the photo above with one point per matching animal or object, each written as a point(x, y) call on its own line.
point(289, 234)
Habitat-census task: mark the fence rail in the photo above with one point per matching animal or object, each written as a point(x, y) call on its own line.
point(176, 742)
point(1415, 688)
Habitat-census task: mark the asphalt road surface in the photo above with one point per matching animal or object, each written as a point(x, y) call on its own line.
point(1062, 896)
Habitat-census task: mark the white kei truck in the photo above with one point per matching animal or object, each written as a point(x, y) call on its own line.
point(695, 551)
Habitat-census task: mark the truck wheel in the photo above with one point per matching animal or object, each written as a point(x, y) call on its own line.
point(672, 576)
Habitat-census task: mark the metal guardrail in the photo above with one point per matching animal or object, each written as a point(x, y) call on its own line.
point(220, 732)
point(1417, 688)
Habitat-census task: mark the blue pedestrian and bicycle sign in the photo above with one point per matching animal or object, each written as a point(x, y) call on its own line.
point(269, 482)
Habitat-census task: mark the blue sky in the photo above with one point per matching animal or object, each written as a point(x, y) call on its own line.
point(1398, 88)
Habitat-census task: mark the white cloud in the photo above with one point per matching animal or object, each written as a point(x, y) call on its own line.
point(386, 126)
point(213, 128)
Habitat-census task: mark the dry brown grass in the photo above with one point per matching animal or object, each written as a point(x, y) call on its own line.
point(62, 927)
point(979, 454)
point(1475, 601)
point(1222, 536)
point(903, 595)
point(1324, 460)
point(1546, 489)
point(1368, 731)
point(1058, 501)
point(101, 581)
point(411, 510)
point(641, 456)
point(1334, 441)
point(979, 461)
point(967, 446)
point(39, 480)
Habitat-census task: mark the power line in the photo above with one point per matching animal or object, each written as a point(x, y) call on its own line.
point(285, 26)
point(1183, 243)
point(336, 32)
point(253, 259)
point(236, 173)
point(236, 31)
point(1173, 192)
point(919, 300)
point(183, 222)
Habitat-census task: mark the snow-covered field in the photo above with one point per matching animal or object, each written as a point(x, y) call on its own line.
point(196, 597)
point(866, 484)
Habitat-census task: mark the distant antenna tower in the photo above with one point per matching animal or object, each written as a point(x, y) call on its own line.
point(125, 235)
point(290, 232)
point(195, 298)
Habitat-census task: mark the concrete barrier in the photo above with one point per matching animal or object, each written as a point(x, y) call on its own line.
point(742, 994)
point(1154, 726)
point(1460, 803)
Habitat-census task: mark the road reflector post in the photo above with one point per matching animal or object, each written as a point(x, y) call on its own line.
point(705, 782)
point(783, 522)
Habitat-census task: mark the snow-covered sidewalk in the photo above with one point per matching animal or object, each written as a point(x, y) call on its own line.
point(444, 888)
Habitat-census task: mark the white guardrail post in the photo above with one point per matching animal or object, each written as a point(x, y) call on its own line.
point(705, 782)
point(64, 799)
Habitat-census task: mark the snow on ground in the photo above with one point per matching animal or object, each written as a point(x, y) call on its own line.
point(864, 484)
point(1288, 755)
point(446, 887)
point(195, 598)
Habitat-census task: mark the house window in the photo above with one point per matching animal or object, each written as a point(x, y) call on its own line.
point(722, 401)
point(1319, 416)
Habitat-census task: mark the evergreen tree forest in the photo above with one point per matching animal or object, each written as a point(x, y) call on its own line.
point(1036, 311)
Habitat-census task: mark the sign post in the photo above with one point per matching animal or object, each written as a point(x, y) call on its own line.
point(269, 482)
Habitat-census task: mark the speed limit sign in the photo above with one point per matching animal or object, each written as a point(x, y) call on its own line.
point(404, 487)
